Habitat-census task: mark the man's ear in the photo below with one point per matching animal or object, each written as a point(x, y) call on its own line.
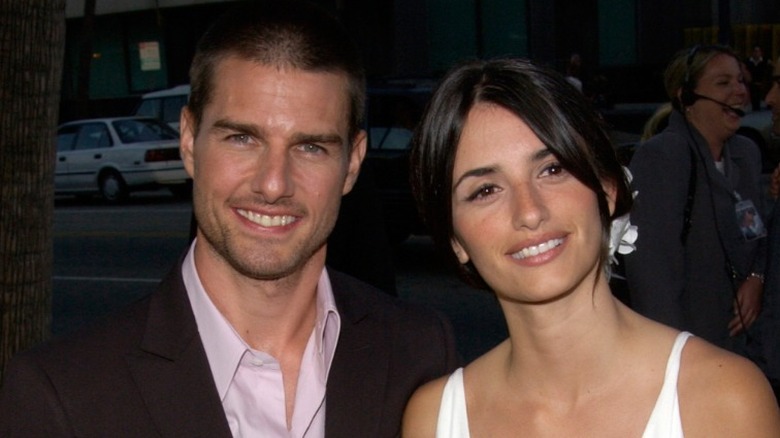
point(460, 252)
point(187, 140)
point(356, 156)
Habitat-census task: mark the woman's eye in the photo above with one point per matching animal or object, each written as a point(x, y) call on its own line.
point(553, 169)
point(482, 192)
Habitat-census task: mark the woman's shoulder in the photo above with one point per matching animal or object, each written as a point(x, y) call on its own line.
point(422, 410)
point(723, 394)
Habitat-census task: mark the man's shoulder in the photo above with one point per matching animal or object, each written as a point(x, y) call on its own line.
point(357, 299)
point(98, 341)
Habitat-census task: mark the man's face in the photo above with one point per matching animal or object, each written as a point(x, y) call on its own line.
point(270, 162)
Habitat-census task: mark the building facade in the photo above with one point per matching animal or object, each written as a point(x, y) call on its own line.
point(129, 47)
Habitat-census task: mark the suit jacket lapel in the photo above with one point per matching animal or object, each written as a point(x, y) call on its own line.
point(171, 368)
point(358, 375)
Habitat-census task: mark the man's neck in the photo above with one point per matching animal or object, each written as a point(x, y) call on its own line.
point(273, 316)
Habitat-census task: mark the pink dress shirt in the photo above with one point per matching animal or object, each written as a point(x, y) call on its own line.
point(249, 382)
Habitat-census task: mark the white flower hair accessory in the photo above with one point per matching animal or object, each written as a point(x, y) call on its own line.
point(622, 234)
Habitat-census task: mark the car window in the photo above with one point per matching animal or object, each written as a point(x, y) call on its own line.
point(93, 136)
point(391, 116)
point(171, 109)
point(66, 137)
point(138, 131)
point(149, 108)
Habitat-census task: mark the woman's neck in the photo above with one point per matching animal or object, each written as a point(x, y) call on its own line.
point(715, 141)
point(566, 346)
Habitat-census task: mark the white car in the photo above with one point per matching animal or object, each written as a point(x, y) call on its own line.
point(165, 105)
point(114, 156)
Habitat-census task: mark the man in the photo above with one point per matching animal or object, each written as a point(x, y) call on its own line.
point(250, 335)
point(760, 70)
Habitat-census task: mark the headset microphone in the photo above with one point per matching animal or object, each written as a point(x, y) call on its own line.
point(695, 96)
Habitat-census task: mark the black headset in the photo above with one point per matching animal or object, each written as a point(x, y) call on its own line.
point(687, 95)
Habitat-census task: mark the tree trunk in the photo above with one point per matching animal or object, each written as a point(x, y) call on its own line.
point(32, 39)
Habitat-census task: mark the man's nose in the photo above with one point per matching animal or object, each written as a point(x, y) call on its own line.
point(272, 177)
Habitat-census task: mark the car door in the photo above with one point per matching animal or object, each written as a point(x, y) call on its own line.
point(66, 140)
point(93, 141)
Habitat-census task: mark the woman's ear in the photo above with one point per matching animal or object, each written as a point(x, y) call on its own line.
point(610, 188)
point(460, 252)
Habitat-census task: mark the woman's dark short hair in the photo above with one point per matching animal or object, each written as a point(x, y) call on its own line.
point(291, 33)
point(551, 107)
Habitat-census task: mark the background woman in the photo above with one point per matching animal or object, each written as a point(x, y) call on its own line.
point(520, 185)
point(695, 266)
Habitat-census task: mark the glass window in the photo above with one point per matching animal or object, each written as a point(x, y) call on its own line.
point(142, 130)
point(93, 136)
point(66, 136)
point(172, 108)
point(149, 108)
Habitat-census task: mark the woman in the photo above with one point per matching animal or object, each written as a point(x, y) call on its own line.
point(516, 179)
point(699, 262)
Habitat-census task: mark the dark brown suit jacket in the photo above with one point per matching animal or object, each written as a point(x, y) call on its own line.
point(144, 372)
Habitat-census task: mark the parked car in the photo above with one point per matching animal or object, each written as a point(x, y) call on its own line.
point(115, 156)
point(165, 105)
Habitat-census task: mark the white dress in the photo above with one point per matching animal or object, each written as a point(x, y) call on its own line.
point(664, 421)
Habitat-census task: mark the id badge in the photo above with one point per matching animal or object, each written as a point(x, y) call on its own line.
point(750, 223)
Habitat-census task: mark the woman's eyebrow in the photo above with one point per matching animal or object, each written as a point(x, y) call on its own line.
point(479, 171)
point(541, 154)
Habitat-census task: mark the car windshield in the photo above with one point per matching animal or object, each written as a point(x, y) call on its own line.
point(143, 130)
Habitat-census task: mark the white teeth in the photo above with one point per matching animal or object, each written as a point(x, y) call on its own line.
point(265, 220)
point(537, 249)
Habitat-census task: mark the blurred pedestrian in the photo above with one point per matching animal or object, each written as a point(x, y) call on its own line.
point(760, 70)
point(520, 185)
point(694, 269)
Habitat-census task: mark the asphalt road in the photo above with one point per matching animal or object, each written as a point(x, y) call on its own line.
point(107, 256)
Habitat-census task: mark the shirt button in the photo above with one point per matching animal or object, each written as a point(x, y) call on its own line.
point(257, 362)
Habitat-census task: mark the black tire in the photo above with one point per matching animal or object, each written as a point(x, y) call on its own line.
point(113, 188)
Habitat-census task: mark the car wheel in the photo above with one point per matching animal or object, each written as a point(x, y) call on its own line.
point(113, 187)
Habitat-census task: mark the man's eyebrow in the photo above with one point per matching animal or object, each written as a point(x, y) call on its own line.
point(300, 138)
point(229, 125)
point(255, 131)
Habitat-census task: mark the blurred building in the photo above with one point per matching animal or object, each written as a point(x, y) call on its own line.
point(136, 46)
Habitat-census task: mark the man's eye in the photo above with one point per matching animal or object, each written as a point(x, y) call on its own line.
point(312, 148)
point(240, 138)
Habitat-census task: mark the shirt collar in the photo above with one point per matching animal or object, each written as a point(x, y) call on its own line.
point(225, 348)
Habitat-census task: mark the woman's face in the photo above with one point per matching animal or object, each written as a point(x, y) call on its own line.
point(532, 230)
point(721, 80)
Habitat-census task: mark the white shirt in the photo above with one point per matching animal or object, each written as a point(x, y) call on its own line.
point(249, 382)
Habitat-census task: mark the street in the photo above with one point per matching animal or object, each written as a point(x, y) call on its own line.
point(107, 256)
